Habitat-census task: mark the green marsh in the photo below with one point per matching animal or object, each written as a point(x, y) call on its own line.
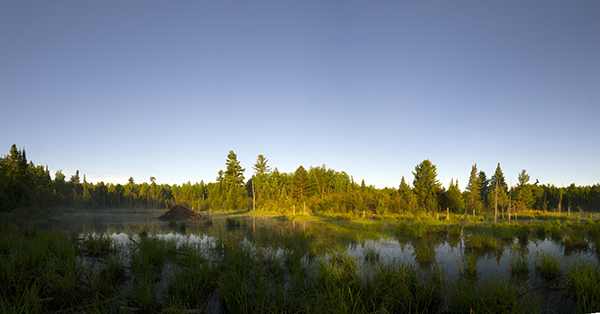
point(242, 263)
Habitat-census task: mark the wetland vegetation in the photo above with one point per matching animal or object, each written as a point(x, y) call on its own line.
point(311, 241)
point(240, 263)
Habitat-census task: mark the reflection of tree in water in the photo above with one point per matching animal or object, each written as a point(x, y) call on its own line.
point(453, 236)
point(521, 247)
point(424, 248)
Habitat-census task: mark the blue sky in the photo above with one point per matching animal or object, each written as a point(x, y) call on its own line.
point(120, 89)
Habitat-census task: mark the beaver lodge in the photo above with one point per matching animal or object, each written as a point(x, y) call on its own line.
point(181, 213)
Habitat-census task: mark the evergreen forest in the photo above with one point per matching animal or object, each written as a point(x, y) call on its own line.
point(312, 190)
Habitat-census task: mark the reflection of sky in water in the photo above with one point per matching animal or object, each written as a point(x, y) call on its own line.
point(390, 250)
point(449, 259)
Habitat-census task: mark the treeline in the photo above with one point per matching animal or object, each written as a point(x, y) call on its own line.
point(312, 190)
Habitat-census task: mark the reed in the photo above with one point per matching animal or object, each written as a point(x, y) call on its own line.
point(370, 253)
point(494, 295)
point(583, 281)
point(400, 288)
point(547, 267)
point(518, 265)
point(468, 268)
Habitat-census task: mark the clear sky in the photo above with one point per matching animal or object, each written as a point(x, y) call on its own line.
point(119, 89)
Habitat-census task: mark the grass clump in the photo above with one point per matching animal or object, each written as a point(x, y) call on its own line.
point(96, 245)
point(548, 267)
point(583, 281)
point(371, 254)
point(518, 265)
point(400, 288)
point(468, 268)
point(495, 295)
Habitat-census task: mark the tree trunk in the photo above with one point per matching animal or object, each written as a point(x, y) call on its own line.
point(509, 202)
point(496, 204)
point(253, 197)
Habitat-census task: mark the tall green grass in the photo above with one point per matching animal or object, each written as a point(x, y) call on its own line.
point(548, 267)
point(493, 295)
point(583, 281)
point(280, 270)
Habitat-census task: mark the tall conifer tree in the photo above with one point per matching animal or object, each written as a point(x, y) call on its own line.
point(498, 177)
point(473, 197)
point(426, 186)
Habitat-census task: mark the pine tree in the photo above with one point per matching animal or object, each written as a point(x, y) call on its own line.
point(234, 174)
point(524, 195)
point(426, 186)
point(453, 198)
point(473, 196)
point(300, 183)
point(261, 172)
point(498, 177)
point(131, 189)
point(484, 188)
point(261, 167)
point(236, 196)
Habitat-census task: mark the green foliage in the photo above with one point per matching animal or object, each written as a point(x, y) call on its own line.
point(453, 199)
point(426, 186)
point(473, 192)
point(519, 265)
point(583, 281)
point(547, 267)
point(316, 190)
point(301, 186)
point(495, 295)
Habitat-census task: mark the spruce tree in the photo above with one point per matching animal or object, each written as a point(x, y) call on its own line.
point(407, 197)
point(498, 177)
point(524, 194)
point(426, 186)
point(236, 196)
point(453, 198)
point(473, 197)
point(484, 188)
point(261, 167)
point(300, 183)
point(234, 173)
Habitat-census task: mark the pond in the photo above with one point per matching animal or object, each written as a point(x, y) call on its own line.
point(515, 255)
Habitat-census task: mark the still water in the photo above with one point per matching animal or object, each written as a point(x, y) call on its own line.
point(361, 241)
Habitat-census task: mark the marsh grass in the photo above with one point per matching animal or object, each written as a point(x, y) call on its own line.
point(277, 270)
point(494, 295)
point(96, 244)
point(547, 267)
point(182, 227)
point(371, 253)
point(468, 267)
point(518, 265)
point(583, 281)
point(523, 232)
